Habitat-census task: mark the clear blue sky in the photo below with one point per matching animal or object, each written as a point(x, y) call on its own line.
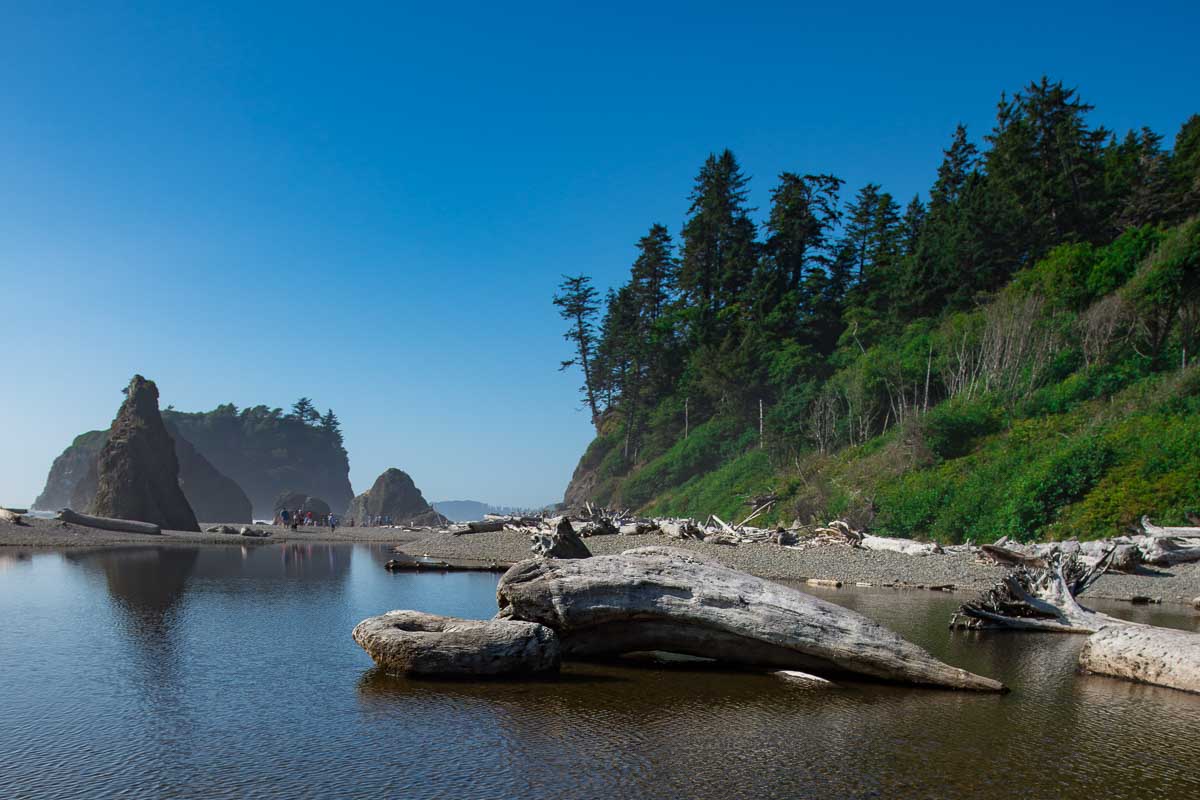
point(372, 206)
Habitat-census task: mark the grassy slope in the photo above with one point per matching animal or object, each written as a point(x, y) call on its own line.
point(1084, 458)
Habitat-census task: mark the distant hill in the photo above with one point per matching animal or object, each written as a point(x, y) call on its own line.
point(470, 510)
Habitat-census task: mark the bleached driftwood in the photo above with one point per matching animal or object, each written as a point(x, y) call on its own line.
point(11, 517)
point(108, 523)
point(562, 542)
point(668, 599)
point(906, 546)
point(1039, 599)
point(1177, 532)
point(1167, 552)
point(1146, 654)
point(415, 643)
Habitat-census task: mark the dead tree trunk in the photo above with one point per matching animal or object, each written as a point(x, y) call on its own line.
point(1041, 599)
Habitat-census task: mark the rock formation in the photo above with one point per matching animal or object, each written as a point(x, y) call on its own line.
point(394, 495)
point(414, 643)
point(213, 496)
point(663, 598)
point(137, 469)
point(293, 500)
point(68, 470)
point(259, 449)
point(73, 480)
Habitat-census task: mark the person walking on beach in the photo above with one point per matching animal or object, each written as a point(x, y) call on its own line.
point(285, 517)
point(332, 522)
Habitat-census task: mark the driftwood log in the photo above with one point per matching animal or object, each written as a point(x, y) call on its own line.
point(11, 517)
point(415, 643)
point(666, 599)
point(562, 542)
point(1044, 599)
point(1177, 532)
point(1146, 654)
point(108, 523)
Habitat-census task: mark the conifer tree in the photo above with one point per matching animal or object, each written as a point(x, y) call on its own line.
point(576, 301)
point(719, 250)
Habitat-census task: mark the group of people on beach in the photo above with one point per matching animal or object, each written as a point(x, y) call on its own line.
point(294, 519)
point(300, 518)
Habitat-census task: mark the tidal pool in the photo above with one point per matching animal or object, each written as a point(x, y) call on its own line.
point(230, 672)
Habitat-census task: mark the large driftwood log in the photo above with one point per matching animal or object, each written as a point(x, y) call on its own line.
point(415, 643)
point(1177, 532)
point(907, 546)
point(11, 517)
point(1146, 654)
point(666, 599)
point(108, 523)
point(1166, 552)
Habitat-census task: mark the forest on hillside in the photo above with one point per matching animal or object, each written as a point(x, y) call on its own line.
point(1012, 354)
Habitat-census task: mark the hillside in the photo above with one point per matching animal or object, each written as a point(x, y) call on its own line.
point(1014, 356)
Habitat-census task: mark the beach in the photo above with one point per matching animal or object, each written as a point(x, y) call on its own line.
point(959, 572)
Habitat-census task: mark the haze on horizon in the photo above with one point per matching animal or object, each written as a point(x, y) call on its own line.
point(253, 204)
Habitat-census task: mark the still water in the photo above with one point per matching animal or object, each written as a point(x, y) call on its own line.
point(230, 672)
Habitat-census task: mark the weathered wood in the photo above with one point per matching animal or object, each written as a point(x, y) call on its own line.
point(1161, 656)
point(486, 526)
point(661, 598)
point(1169, 532)
point(108, 523)
point(562, 542)
point(1039, 599)
point(1167, 552)
point(415, 643)
point(906, 546)
point(11, 517)
point(1011, 558)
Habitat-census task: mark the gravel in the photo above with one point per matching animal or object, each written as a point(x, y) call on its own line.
point(1178, 584)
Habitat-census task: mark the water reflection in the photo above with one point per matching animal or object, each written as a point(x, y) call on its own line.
point(230, 672)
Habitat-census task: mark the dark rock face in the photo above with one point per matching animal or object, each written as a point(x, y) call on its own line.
point(293, 500)
point(261, 450)
point(213, 496)
point(137, 468)
point(395, 495)
point(266, 453)
point(68, 470)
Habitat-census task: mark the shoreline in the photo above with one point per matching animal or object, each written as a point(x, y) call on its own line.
point(827, 563)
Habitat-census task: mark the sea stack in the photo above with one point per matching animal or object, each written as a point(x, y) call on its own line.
point(138, 471)
point(214, 497)
point(395, 495)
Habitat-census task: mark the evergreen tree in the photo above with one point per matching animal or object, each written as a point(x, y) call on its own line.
point(655, 272)
point(1185, 168)
point(304, 410)
point(333, 426)
point(576, 301)
point(1046, 173)
point(719, 250)
point(910, 226)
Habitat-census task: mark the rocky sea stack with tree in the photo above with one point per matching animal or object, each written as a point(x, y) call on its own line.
point(137, 470)
point(1012, 355)
point(261, 450)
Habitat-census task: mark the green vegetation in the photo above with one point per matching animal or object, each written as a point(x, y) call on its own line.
point(1014, 357)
